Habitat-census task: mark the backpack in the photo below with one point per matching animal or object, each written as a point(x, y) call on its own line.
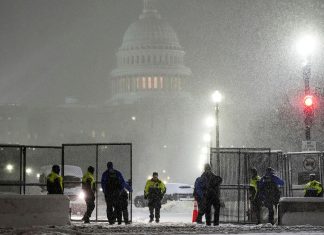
point(270, 190)
point(113, 183)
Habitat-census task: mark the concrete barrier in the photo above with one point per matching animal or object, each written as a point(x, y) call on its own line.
point(301, 211)
point(31, 210)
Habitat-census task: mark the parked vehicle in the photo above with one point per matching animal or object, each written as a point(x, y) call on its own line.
point(72, 186)
point(175, 192)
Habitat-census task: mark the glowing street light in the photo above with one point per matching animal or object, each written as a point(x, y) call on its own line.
point(306, 45)
point(29, 171)
point(207, 138)
point(9, 167)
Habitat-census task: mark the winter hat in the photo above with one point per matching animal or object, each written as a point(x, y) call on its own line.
point(207, 167)
point(110, 165)
point(91, 169)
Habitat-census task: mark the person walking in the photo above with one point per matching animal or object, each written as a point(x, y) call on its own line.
point(254, 197)
point(211, 194)
point(198, 194)
point(54, 181)
point(89, 189)
point(313, 188)
point(112, 183)
point(154, 191)
point(270, 193)
point(123, 201)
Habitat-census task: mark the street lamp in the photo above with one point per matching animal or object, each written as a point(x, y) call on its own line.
point(306, 47)
point(217, 98)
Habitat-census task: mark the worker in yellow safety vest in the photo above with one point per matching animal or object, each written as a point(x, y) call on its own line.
point(255, 200)
point(313, 188)
point(154, 191)
point(55, 181)
point(89, 189)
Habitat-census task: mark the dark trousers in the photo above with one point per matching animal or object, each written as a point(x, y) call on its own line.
point(124, 209)
point(256, 209)
point(90, 207)
point(201, 210)
point(270, 206)
point(113, 210)
point(154, 206)
point(212, 202)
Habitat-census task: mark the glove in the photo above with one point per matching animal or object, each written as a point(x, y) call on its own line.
point(145, 196)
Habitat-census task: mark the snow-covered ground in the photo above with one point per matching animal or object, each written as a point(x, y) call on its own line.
point(175, 219)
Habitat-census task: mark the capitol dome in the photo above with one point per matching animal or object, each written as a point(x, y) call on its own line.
point(150, 60)
point(150, 32)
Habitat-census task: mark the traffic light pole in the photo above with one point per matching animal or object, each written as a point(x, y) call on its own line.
point(307, 110)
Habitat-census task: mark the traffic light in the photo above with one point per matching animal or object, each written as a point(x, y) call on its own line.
point(309, 114)
point(309, 108)
point(308, 101)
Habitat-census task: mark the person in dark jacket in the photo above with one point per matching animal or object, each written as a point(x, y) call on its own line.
point(313, 188)
point(55, 181)
point(198, 194)
point(254, 194)
point(211, 194)
point(123, 200)
point(154, 191)
point(89, 189)
point(112, 183)
point(269, 191)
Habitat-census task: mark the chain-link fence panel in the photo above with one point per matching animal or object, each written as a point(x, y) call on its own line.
point(38, 162)
point(11, 177)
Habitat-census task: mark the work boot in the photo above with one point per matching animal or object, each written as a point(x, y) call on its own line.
point(157, 220)
point(86, 220)
point(151, 220)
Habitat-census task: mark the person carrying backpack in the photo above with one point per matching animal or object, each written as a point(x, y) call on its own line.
point(269, 191)
point(113, 183)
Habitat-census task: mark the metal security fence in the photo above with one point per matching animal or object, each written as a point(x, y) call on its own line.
point(23, 170)
point(80, 156)
point(299, 165)
point(11, 165)
point(233, 165)
point(37, 164)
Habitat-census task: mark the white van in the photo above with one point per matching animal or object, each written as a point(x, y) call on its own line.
point(72, 186)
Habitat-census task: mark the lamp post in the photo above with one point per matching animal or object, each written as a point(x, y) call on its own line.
point(217, 97)
point(305, 47)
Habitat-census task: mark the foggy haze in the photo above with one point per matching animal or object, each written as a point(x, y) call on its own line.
point(56, 51)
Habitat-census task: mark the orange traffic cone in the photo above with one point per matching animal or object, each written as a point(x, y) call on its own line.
point(195, 212)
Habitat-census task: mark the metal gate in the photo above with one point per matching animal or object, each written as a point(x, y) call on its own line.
point(233, 165)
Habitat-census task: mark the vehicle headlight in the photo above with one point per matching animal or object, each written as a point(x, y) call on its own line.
point(81, 195)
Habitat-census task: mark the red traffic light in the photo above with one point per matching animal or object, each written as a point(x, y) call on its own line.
point(308, 100)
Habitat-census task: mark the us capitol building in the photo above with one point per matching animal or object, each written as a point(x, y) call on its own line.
point(150, 105)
